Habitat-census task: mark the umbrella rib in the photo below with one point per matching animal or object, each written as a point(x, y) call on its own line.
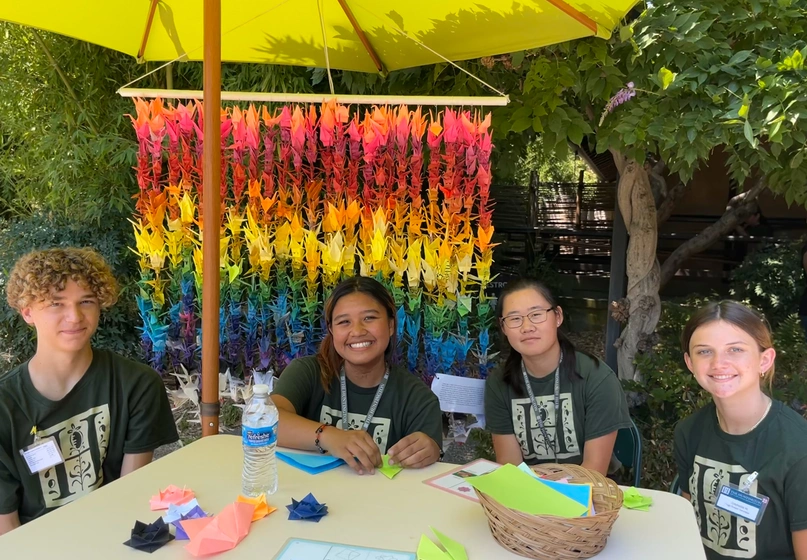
point(362, 37)
point(152, 9)
point(575, 14)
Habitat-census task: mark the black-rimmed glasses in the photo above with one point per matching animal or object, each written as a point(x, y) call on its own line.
point(536, 318)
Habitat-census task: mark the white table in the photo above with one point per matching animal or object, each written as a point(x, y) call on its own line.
point(365, 510)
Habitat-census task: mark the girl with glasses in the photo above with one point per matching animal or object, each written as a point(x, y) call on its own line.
point(549, 402)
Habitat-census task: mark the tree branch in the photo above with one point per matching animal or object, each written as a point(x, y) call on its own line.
point(667, 206)
point(66, 83)
point(738, 209)
point(619, 160)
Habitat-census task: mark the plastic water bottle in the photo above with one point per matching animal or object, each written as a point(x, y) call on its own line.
point(259, 435)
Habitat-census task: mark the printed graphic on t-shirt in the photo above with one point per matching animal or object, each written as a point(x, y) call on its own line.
point(378, 429)
point(528, 432)
point(724, 533)
point(83, 440)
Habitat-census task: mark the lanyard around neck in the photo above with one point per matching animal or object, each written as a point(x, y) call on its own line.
point(537, 411)
point(373, 406)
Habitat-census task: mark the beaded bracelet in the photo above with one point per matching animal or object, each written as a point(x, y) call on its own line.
point(316, 441)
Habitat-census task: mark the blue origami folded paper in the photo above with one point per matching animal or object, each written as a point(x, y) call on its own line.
point(194, 513)
point(307, 509)
point(312, 464)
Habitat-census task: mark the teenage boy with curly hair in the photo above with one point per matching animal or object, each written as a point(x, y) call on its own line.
point(73, 417)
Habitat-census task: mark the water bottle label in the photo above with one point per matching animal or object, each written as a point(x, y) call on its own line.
point(259, 437)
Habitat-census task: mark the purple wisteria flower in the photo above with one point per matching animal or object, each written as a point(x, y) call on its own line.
point(620, 97)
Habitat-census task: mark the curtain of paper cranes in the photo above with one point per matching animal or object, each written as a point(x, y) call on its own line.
point(310, 196)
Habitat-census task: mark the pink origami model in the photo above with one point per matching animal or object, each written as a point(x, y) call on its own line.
point(171, 495)
point(210, 535)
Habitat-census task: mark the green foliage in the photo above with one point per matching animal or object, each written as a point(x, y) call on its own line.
point(771, 279)
point(118, 327)
point(790, 381)
point(731, 75)
point(64, 149)
point(550, 167)
point(482, 442)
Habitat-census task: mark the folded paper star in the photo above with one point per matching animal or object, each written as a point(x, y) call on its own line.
point(148, 537)
point(262, 509)
point(389, 470)
point(175, 512)
point(308, 509)
point(210, 535)
point(631, 499)
point(171, 495)
point(194, 513)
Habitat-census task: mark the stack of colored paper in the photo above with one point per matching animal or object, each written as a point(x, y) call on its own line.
point(581, 493)
point(312, 464)
point(515, 489)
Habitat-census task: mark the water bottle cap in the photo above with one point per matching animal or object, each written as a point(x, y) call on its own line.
point(260, 389)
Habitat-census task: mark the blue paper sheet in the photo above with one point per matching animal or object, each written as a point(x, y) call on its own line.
point(312, 464)
point(580, 493)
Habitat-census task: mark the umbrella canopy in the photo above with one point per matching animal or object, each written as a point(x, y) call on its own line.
point(362, 35)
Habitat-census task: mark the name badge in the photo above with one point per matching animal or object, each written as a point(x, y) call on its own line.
point(741, 504)
point(42, 455)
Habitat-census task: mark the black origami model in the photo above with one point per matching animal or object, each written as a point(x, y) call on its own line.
point(149, 537)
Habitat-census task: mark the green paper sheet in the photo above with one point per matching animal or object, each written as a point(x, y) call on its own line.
point(517, 490)
point(631, 499)
point(389, 470)
point(454, 549)
point(427, 550)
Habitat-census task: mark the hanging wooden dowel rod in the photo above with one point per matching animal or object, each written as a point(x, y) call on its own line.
point(262, 97)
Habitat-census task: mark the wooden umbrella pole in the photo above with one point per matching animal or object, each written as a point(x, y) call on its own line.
point(211, 218)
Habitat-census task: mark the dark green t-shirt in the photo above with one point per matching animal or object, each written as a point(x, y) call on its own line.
point(118, 407)
point(407, 405)
point(590, 407)
point(707, 457)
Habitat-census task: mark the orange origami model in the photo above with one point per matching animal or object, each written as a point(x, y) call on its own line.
point(262, 509)
point(211, 535)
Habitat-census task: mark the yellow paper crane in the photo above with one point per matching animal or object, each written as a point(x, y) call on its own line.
point(333, 255)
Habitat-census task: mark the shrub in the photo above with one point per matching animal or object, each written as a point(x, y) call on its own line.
point(117, 330)
point(771, 279)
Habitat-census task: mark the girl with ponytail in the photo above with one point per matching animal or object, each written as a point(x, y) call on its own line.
point(549, 402)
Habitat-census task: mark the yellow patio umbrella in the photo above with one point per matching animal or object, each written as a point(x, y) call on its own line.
point(361, 35)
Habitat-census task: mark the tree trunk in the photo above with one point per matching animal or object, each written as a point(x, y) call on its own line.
point(738, 209)
point(638, 208)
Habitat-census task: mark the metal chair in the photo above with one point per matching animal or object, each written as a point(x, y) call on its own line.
point(628, 449)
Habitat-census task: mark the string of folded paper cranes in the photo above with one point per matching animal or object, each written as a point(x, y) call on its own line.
point(310, 196)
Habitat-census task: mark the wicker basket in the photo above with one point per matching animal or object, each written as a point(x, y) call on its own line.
point(548, 537)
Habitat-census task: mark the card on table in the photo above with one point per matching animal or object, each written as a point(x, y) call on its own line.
point(303, 549)
point(455, 481)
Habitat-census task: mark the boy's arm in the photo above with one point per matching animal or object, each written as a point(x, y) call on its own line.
point(133, 461)
point(8, 522)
